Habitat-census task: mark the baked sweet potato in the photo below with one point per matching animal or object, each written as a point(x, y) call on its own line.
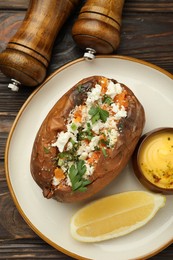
point(86, 139)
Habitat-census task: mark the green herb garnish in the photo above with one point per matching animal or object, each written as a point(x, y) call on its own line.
point(87, 134)
point(72, 141)
point(98, 113)
point(60, 162)
point(108, 100)
point(104, 142)
point(104, 152)
point(73, 126)
point(104, 114)
point(79, 88)
point(96, 148)
point(66, 156)
point(76, 173)
point(46, 150)
point(81, 167)
point(120, 126)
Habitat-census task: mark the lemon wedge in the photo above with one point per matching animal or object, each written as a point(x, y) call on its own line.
point(115, 215)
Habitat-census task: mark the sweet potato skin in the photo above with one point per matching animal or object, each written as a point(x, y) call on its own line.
point(42, 161)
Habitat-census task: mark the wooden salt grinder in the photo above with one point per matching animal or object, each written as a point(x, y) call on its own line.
point(28, 53)
point(98, 25)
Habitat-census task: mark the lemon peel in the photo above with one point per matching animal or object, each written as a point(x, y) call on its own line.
point(115, 215)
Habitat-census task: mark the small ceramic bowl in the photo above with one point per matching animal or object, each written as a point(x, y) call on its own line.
point(152, 160)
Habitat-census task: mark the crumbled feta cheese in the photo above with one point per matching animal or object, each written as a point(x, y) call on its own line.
point(111, 123)
point(94, 94)
point(83, 156)
point(82, 148)
point(94, 142)
point(113, 134)
point(63, 138)
point(89, 171)
point(113, 89)
point(118, 88)
point(96, 91)
point(121, 113)
point(97, 126)
point(55, 181)
point(115, 107)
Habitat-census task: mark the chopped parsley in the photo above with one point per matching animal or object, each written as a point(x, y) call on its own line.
point(73, 126)
point(107, 100)
point(104, 152)
point(79, 88)
point(87, 134)
point(66, 156)
point(46, 150)
point(104, 142)
point(97, 113)
point(76, 173)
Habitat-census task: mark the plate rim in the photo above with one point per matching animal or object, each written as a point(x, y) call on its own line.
point(7, 147)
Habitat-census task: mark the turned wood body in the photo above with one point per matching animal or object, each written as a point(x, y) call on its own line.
point(98, 25)
point(28, 53)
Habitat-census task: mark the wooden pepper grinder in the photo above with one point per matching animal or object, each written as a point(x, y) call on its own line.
point(28, 53)
point(98, 25)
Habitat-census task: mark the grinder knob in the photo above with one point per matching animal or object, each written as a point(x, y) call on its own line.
point(98, 25)
point(28, 53)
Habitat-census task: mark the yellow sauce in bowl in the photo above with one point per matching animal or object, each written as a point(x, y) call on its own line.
point(156, 159)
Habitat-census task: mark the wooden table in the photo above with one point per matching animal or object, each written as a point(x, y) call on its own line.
point(147, 33)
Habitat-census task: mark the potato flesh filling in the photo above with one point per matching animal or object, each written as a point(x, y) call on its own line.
point(92, 130)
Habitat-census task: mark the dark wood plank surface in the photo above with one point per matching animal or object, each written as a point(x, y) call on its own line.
point(147, 33)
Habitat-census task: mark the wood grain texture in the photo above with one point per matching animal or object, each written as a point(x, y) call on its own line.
point(146, 33)
point(14, 4)
point(98, 25)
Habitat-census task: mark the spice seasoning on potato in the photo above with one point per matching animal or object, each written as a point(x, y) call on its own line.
point(91, 133)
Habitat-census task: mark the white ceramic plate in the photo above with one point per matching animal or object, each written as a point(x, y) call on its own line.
point(50, 219)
